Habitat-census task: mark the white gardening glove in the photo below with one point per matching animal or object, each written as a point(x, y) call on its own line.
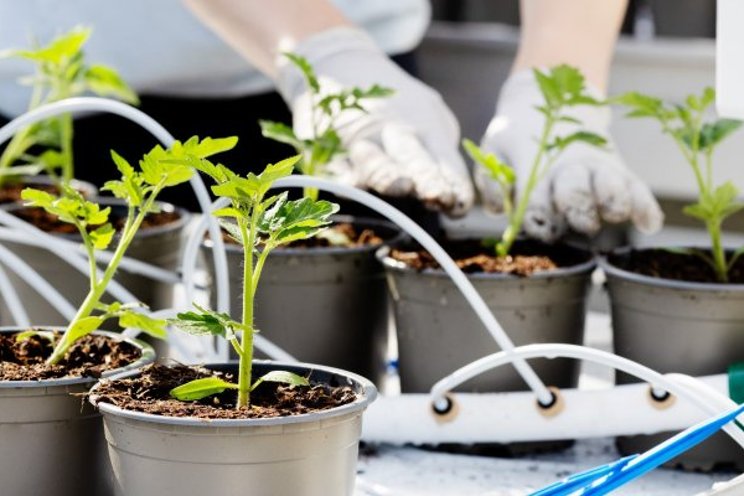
point(404, 145)
point(583, 187)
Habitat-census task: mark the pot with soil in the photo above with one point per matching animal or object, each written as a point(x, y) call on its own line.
point(670, 313)
point(159, 242)
point(292, 440)
point(334, 285)
point(538, 294)
point(50, 440)
point(10, 191)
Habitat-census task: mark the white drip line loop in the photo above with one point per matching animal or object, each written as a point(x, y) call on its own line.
point(706, 398)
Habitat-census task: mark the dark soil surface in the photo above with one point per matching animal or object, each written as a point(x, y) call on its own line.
point(527, 258)
point(89, 357)
point(11, 191)
point(354, 238)
point(150, 393)
point(666, 264)
point(51, 224)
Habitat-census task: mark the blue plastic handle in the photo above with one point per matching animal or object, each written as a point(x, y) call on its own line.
point(605, 478)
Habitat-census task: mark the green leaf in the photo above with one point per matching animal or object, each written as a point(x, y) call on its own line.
point(201, 388)
point(105, 81)
point(561, 143)
point(283, 377)
point(60, 49)
point(548, 87)
point(499, 171)
point(82, 328)
point(204, 148)
point(207, 323)
point(288, 221)
point(102, 236)
point(307, 70)
point(23, 336)
point(145, 323)
point(713, 133)
point(280, 132)
point(232, 229)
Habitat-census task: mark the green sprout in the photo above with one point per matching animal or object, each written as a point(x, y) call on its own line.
point(325, 143)
point(158, 170)
point(562, 88)
point(259, 224)
point(61, 72)
point(697, 138)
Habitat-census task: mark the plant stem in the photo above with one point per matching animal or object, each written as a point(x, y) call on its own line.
point(94, 295)
point(719, 256)
point(515, 221)
point(65, 122)
point(248, 234)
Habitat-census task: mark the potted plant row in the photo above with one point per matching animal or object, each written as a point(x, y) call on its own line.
point(49, 443)
point(263, 428)
point(345, 315)
point(536, 291)
point(61, 71)
point(681, 309)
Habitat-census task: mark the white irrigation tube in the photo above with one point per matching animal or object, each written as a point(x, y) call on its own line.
point(472, 296)
point(9, 294)
point(22, 269)
point(509, 417)
point(444, 386)
point(131, 265)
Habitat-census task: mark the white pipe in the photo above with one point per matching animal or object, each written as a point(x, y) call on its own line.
point(550, 351)
point(131, 265)
point(10, 296)
point(74, 259)
point(22, 269)
point(92, 104)
point(514, 416)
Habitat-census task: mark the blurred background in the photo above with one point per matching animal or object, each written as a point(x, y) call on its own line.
point(667, 49)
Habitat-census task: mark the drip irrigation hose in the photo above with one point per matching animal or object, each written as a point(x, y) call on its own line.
point(9, 294)
point(699, 394)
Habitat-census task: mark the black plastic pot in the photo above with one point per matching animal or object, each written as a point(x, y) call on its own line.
point(322, 305)
point(313, 454)
point(51, 442)
point(159, 246)
point(676, 326)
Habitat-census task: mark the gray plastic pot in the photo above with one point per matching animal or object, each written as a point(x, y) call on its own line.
point(312, 454)
point(337, 294)
point(160, 246)
point(51, 442)
point(676, 326)
point(438, 331)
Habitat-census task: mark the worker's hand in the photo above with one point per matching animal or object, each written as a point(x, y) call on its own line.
point(583, 187)
point(403, 145)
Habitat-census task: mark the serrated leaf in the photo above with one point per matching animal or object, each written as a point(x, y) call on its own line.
point(145, 323)
point(60, 48)
point(713, 133)
point(232, 230)
point(228, 212)
point(205, 147)
point(498, 170)
point(288, 221)
point(548, 88)
point(201, 388)
point(283, 377)
point(579, 137)
point(206, 322)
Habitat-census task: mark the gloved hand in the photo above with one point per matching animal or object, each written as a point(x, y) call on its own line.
point(583, 187)
point(404, 145)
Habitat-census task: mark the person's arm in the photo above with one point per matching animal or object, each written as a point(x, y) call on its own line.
point(260, 30)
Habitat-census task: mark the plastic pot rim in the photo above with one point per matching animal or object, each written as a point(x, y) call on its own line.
point(367, 395)
point(612, 270)
point(147, 356)
point(587, 267)
point(328, 250)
